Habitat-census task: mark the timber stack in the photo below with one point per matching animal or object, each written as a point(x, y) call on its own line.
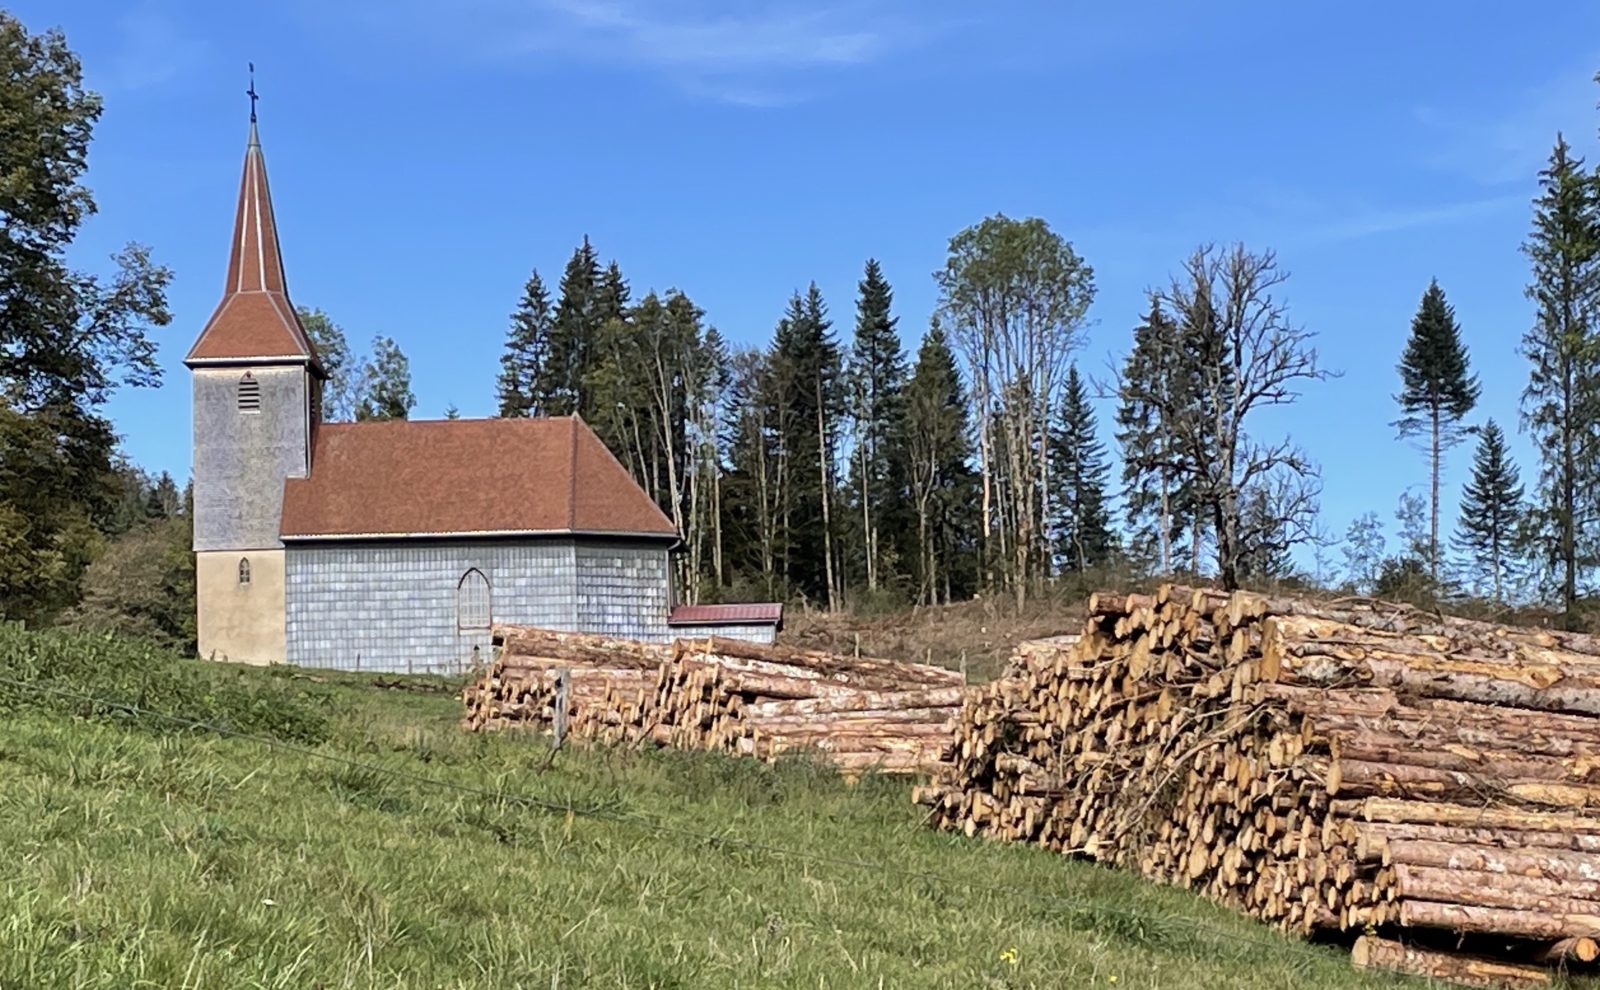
point(722, 695)
point(1352, 766)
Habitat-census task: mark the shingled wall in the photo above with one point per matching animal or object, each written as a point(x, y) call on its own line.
point(392, 606)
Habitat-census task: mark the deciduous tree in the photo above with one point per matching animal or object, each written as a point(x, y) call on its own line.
point(1230, 342)
point(1014, 295)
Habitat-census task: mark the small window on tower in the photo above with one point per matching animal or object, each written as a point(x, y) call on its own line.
point(244, 571)
point(249, 394)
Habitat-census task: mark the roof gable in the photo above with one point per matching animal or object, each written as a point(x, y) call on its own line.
point(466, 477)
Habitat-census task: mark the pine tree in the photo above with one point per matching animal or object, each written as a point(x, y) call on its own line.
point(1082, 524)
point(1437, 391)
point(1491, 512)
point(1561, 404)
point(573, 331)
point(940, 478)
point(876, 380)
point(527, 350)
point(385, 383)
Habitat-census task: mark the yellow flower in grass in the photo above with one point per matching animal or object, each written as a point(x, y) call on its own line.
point(1010, 956)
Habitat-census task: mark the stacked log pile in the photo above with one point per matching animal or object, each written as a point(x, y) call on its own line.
point(722, 695)
point(1350, 766)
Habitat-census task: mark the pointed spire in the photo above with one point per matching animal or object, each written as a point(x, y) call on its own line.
point(255, 319)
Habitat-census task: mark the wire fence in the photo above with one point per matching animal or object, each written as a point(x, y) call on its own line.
point(653, 826)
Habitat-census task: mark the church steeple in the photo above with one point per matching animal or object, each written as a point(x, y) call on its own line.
point(255, 321)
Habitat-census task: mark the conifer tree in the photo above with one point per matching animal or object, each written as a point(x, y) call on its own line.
point(876, 379)
point(1157, 492)
point(1491, 512)
point(1436, 392)
point(1082, 524)
point(1561, 404)
point(527, 351)
point(573, 330)
point(385, 383)
point(164, 500)
point(940, 478)
point(804, 398)
point(611, 296)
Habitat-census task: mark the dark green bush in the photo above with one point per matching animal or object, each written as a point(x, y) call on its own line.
point(128, 681)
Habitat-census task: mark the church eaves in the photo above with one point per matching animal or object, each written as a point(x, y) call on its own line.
point(255, 322)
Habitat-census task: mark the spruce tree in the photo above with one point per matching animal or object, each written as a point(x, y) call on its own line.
point(940, 478)
point(1156, 491)
point(385, 383)
point(527, 350)
point(1491, 512)
point(1561, 404)
point(573, 332)
point(804, 400)
point(876, 380)
point(1436, 392)
point(1082, 524)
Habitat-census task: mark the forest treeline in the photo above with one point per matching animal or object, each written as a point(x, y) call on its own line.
point(847, 461)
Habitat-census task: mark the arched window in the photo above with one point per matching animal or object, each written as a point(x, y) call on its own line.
point(473, 609)
point(249, 394)
point(244, 571)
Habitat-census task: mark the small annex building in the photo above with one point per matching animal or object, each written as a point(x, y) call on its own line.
point(396, 545)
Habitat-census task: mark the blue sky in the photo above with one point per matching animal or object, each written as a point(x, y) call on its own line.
point(426, 154)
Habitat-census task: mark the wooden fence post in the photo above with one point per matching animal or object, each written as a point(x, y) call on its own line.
point(563, 680)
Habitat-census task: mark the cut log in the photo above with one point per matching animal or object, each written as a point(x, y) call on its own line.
point(1498, 921)
point(1371, 952)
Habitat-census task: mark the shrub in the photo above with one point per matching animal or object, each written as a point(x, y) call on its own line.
point(105, 677)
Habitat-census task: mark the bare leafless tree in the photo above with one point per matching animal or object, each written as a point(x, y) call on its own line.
point(1232, 342)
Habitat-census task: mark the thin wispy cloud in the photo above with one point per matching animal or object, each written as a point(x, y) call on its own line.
point(1511, 141)
point(756, 53)
point(1358, 223)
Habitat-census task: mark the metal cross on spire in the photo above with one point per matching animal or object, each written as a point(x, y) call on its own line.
point(251, 92)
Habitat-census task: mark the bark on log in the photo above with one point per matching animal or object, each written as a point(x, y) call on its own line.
point(1371, 952)
point(1497, 921)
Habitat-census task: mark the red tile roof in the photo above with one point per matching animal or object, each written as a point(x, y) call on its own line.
point(749, 613)
point(255, 319)
point(466, 477)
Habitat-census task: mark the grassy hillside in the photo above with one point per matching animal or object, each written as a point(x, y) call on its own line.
point(140, 855)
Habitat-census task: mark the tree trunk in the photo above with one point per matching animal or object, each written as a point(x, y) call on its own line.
point(824, 455)
point(1433, 526)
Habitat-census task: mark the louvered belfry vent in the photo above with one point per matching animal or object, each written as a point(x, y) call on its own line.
point(249, 394)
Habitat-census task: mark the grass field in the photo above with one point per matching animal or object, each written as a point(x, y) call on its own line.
point(138, 857)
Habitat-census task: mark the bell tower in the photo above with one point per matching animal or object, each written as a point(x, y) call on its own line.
point(257, 387)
